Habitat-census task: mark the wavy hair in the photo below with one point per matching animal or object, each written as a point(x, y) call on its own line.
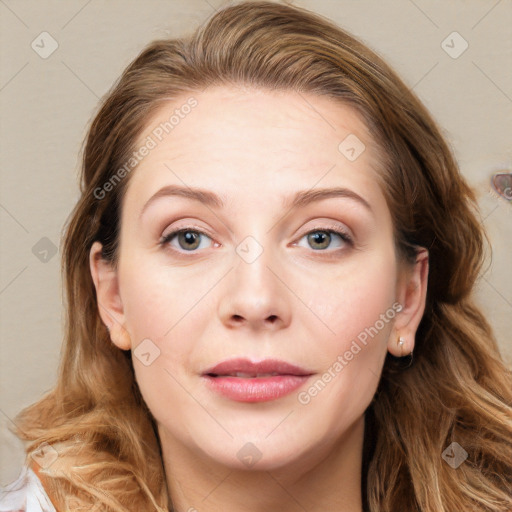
point(457, 389)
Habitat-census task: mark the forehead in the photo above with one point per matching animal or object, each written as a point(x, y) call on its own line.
point(246, 141)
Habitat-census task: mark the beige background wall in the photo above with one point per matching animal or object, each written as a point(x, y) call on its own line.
point(46, 104)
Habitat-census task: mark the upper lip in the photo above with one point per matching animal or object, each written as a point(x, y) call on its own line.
point(242, 365)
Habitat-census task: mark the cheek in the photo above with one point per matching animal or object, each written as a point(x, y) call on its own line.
point(358, 295)
point(358, 308)
point(156, 298)
point(148, 306)
point(159, 315)
point(167, 307)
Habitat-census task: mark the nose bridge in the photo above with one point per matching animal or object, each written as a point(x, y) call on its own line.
point(254, 260)
point(254, 295)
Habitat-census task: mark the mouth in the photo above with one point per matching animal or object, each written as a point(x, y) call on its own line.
point(243, 375)
point(247, 369)
point(242, 380)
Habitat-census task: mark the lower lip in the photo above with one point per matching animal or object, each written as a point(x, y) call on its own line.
point(256, 389)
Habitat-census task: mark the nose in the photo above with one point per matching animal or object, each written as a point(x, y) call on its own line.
point(254, 296)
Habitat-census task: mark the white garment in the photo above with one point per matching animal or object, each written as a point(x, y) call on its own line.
point(25, 494)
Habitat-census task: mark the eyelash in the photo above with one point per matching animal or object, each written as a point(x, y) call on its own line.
point(165, 240)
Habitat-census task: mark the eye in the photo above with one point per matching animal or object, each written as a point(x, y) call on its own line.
point(321, 239)
point(187, 239)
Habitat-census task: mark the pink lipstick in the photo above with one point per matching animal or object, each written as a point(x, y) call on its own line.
point(245, 381)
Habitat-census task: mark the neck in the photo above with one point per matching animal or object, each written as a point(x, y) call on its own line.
point(325, 477)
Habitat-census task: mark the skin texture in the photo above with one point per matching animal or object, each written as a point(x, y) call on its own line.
point(301, 301)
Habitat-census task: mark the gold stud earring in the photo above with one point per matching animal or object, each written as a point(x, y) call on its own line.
point(401, 343)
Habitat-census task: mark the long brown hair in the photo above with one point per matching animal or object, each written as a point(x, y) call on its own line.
point(457, 388)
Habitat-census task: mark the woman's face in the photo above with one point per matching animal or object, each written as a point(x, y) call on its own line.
point(269, 266)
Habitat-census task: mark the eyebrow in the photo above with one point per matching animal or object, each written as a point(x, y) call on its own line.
point(305, 197)
point(196, 194)
point(300, 199)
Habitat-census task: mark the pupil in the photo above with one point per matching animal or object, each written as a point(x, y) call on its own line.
point(190, 238)
point(317, 238)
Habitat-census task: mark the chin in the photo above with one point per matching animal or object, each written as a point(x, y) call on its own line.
point(254, 454)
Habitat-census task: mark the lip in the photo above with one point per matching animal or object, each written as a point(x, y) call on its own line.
point(243, 365)
point(221, 379)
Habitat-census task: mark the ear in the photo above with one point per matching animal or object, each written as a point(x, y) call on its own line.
point(412, 294)
point(110, 306)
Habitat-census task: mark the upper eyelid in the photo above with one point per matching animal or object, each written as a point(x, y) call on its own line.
point(332, 227)
point(189, 227)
